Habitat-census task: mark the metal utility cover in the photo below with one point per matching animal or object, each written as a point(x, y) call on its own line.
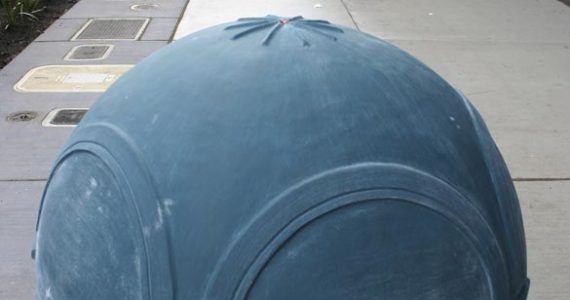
point(64, 117)
point(22, 116)
point(89, 52)
point(72, 78)
point(112, 29)
point(146, 6)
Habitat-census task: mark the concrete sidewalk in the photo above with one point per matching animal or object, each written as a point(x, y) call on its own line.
point(511, 58)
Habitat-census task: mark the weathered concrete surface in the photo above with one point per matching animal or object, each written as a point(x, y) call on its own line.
point(546, 208)
point(106, 8)
point(512, 20)
point(18, 210)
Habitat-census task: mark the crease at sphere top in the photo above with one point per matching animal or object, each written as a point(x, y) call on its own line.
point(280, 158)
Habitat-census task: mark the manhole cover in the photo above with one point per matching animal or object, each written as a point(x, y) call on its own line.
point(64, 117)
point(89, 52)
point(111, 29)
point(146, 6)
point(70, 78)
point(22, 116)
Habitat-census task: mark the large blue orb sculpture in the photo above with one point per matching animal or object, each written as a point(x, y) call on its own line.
point(276, 158)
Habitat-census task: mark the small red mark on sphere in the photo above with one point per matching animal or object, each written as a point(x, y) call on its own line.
point(283, 21)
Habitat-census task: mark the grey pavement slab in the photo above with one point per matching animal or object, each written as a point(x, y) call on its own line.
point(105, 8)
point(27, 149)
point(19, 202)
point(158, 29)
point(511, 20)
point(61, 30)
point(546, 207)
point(200, 14)
point(522, 91)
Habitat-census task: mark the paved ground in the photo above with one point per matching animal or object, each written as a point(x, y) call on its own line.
point(512, 58)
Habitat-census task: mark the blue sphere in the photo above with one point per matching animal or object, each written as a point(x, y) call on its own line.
point(281, 158)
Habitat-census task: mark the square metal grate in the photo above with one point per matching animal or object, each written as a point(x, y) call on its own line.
point(64, 117)
point(111, 29)
point(89, 52)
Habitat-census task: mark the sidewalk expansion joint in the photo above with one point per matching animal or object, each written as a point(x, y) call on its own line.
point(23, 179)
point(527, 179)
point(350, 15)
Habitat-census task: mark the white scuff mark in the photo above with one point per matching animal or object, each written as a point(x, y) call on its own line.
point(451, 118)
point(159, 221)
point(154, 119)
point(167, 204)
point(430, 14)
point(137, 263)
point(292, 254)
point(100, 209)
point(93, 182)
point(458, 126)
point(318, 5)
point(88, 193)
point(146, 231)
point(48, 293)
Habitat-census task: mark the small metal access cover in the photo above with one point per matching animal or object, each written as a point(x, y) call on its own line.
point(64, 117)
point(111, 29)
point(146, 6)
point(22, 116)
point(70, 78)
point(89, 52)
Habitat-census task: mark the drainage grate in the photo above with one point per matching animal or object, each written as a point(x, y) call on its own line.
point(89, 52)
point(70, 78)
point(64, 117)
point(21, 116)
point(111, 29)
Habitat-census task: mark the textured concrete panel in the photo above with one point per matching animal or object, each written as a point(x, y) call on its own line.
point(511, 20)
point(19, 203)
point(106, 8)
point(546, 207)
point(160, 29)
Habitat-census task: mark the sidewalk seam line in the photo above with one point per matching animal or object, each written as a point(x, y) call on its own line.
point(23, 180)
point(350, 15)
point(540, 179)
